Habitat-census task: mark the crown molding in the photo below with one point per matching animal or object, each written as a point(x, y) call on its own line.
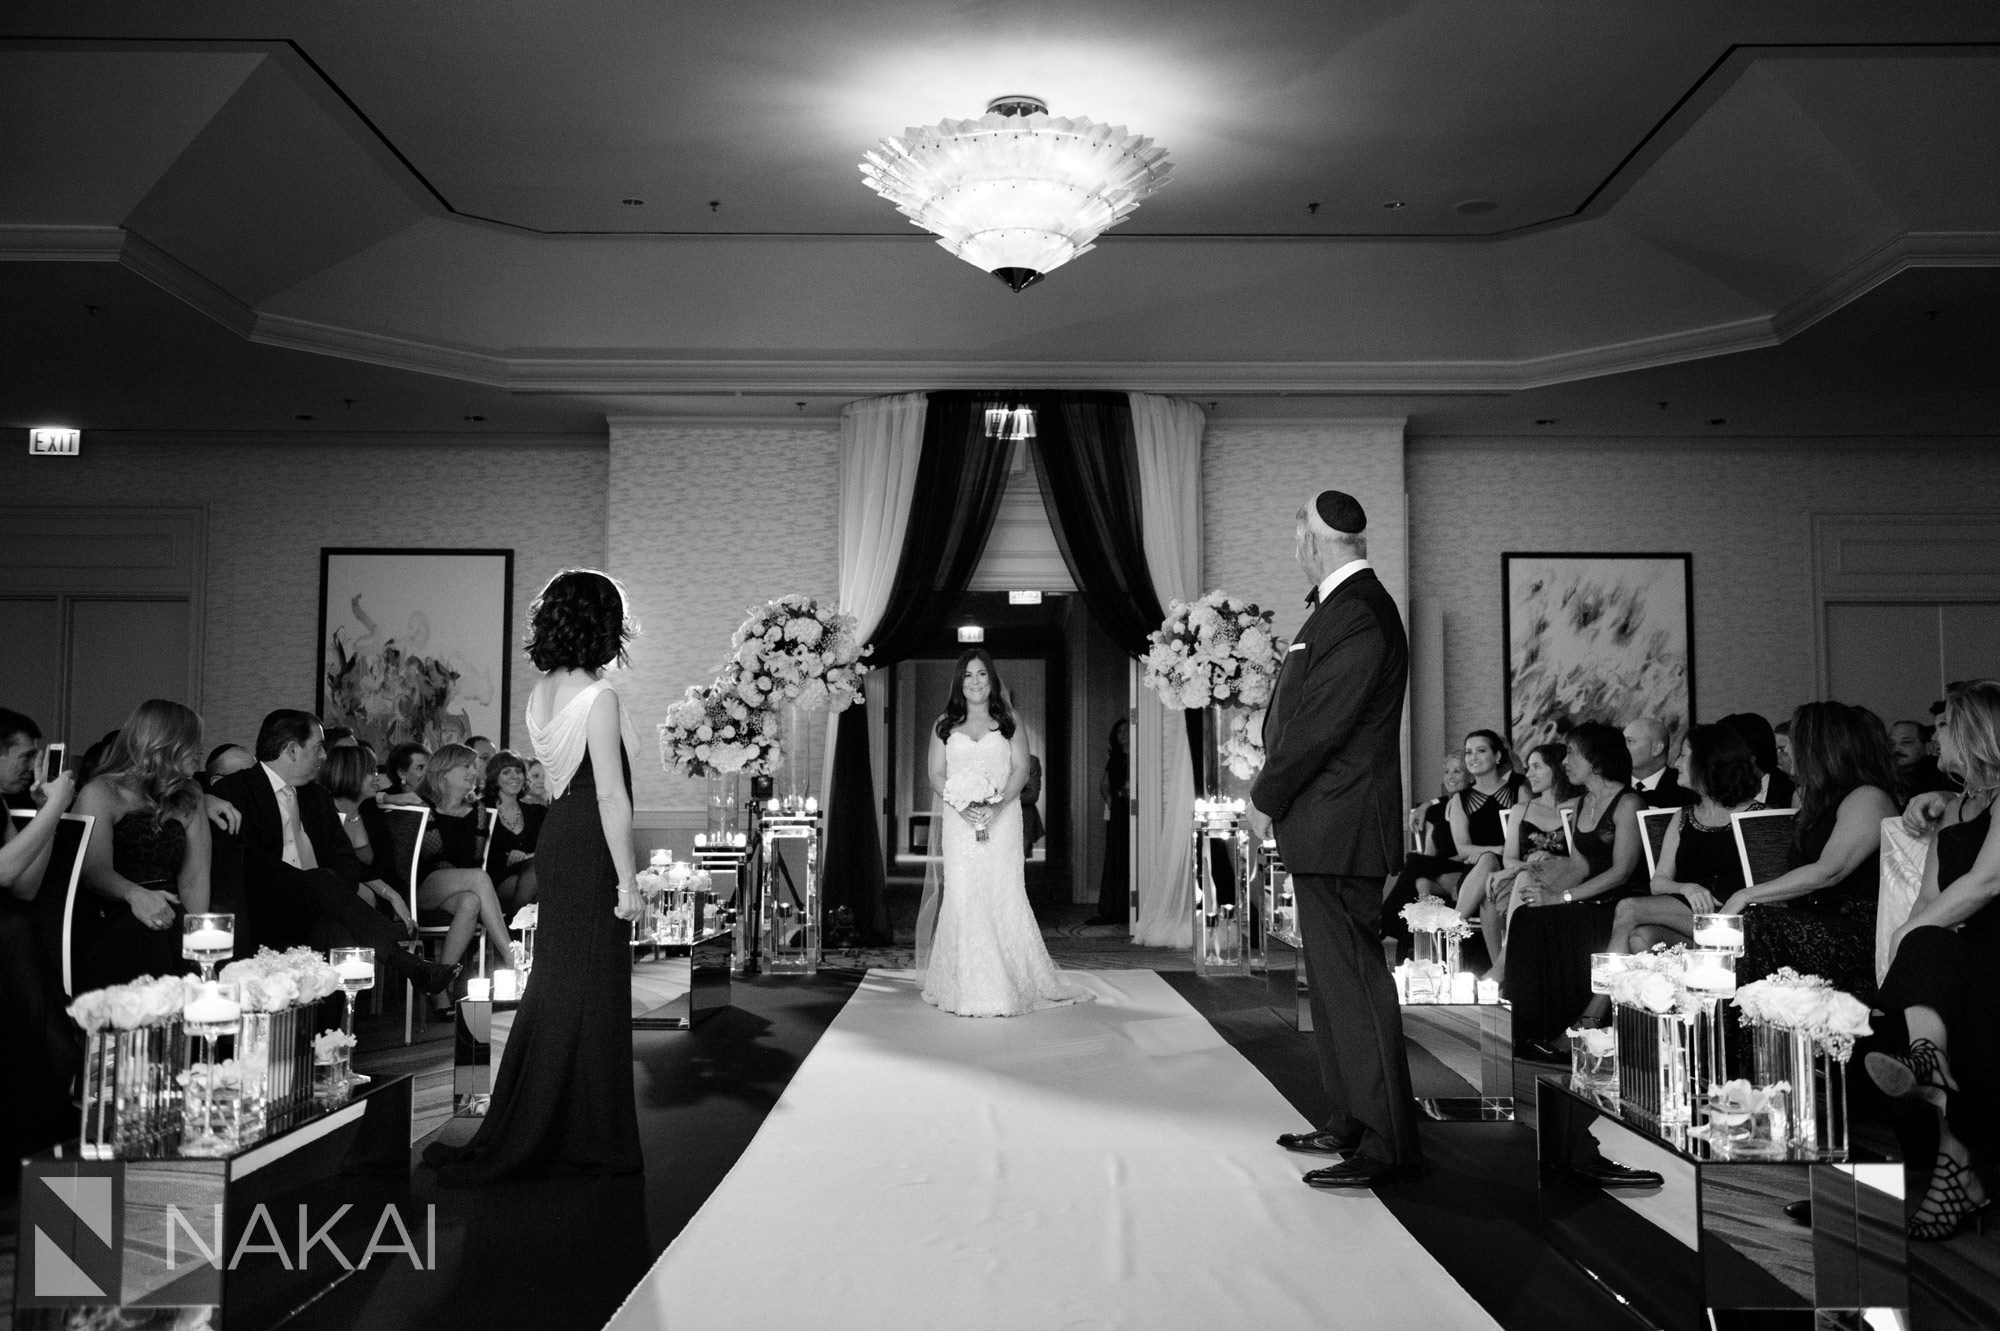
point(398, 353)
point(793, 424)
point(175, 278)
point(61, 244)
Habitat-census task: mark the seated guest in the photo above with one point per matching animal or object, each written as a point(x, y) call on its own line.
point(1819, 918)
point(407, 764)
point(226, 758)
point(39, 1047)
point(1435, 868)
point(1536, 836)
point(1564, 908)
point(1698, 865)
point(1944, 957)
point(1774, 788)
point(517, 826)
point(349, 776)
point(301, 881)
point(1782, 732)
point(482, 748)
point(1648, 739)
point(538, 784)
point(1919, 772)
point(449, 878)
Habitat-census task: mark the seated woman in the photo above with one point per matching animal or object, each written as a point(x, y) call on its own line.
point(349, 775)
point(153, 864)
point(407, 766)
point(517, 826)
point(449, 878)
point(1564, 908)
point(1940, 976)
point(538, 784)
point(1435, 867)
point(1534, 835)
point(1698, 865)
point(1774, 788)
point(1819, 917)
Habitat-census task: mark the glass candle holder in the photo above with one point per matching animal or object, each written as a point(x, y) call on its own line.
point(1711, 972)
point(1720, 932)
point(356, 966)
point(1604, 966)
point(206, 940)
point(216, 1010)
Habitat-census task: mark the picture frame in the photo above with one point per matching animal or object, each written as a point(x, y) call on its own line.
point(1596, 636)
point(416, 645)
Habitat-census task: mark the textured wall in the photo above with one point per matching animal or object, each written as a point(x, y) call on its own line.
point(1743, 508)
point(273, 503)
point(707, 521)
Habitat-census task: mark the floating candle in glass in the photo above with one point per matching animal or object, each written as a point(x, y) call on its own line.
point(1711, 972)
point(506, 986)
point(1603, 966)
point(212, 1009)
point(1719, 931)
point(479, 991)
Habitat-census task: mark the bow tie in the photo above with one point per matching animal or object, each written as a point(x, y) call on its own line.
point(1312, 597)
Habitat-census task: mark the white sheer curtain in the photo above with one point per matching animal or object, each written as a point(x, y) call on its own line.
point(1168, 431)
point(881, 441)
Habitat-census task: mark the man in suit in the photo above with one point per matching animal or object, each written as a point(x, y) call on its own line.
point(301, 880)
point(1332, 785)
point(1646, 737)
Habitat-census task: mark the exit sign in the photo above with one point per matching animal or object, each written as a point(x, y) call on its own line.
point(54, 441)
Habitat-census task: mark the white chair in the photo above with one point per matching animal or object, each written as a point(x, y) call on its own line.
point(1654, 823)
point(64, 873)
point(1569, 829)
point(1763, 843)
point(407, 825)
point(1903, 858)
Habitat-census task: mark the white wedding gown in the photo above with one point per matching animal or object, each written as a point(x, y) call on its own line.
point(988, 959)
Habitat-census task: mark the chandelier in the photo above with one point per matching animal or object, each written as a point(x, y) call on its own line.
point(1016, 192)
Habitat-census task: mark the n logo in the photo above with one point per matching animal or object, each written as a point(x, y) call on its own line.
point(73, 1218)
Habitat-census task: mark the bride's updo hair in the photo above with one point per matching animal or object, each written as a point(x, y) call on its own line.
point(579, 622)
point(957, 709)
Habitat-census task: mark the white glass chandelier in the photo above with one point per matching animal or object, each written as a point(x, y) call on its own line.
point(1016, 192)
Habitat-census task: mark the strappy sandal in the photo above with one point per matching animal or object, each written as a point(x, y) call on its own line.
point(1921, 1074)
point(1948, 1203)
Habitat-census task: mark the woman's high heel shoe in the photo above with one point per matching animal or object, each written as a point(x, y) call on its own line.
point(1922, 1074)
point(1949, 1202)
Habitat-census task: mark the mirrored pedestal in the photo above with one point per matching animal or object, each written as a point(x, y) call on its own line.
point(1728, 1243)
point(675, 985)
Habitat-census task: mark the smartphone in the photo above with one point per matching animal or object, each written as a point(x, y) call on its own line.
point(52, 762)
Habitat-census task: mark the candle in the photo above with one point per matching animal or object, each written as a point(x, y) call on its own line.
point(812, 804)
point(211, 1007)
point(661, 857)
point(479, 991)
point(1724, 936)
point(1463, 987)
point(1489, 991)
point(506, 986)
point(199, 941)
point(1711, 978)
point(353, 970)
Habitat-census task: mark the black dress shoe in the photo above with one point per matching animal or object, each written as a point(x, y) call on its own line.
point(1319, 1143)
point(1800, 1211)
point(434, 977)
point(1354, 1172)
point(1611, 1174)
point(1541, 1051)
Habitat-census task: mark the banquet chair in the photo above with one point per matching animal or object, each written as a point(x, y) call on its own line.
point(55, 910)
point(1903, 855)
point(1763, 843)
point(1654, 823)
point(1569, 829)
point(407, 825)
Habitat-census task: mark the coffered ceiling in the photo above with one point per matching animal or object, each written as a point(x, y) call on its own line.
point(1579, 189)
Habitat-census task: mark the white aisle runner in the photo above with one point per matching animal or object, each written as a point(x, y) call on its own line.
point(1104, 1165)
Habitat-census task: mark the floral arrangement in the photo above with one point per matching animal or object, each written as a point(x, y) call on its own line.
point(683, 876)
point(527, 917)
point(713, 730)
point(127, 1007)
point(327, 1045)
point(1243, 746)
point(1598, 1041)
point(1218, 651)
point(1435, 915)
point(964, 790)
point(223, 1075)
point(272, 981)
point(1652, 982)
point(1732, 1103)
point(792, 651)
point(1794, 1002)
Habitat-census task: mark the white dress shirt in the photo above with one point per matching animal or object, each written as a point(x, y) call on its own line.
point(1338, 576)
point(1649, 783)
point(288, 813)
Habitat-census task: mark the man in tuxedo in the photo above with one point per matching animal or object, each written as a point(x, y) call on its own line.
point(301, 880)
point(1652, 775)
point(1332, 785)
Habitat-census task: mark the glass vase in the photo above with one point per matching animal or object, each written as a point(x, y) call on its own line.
point(1655, 1063)
point(1433, 964)
point(1812, 1110)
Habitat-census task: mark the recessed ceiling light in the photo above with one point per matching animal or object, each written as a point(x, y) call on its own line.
point(633, 203)
point(475, 418)
point(1393, 204)
point(305, 418)
point(1719, 420)
point(1548, 420)
point(1471, 207)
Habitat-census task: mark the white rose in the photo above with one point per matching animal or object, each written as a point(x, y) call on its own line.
point(1656, 992)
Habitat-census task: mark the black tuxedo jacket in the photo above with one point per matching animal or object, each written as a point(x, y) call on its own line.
point(1669, 794)
point(1333, 767)
point(271, 894)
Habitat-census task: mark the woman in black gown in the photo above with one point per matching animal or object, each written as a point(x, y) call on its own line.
point(563, 1101)
point(1114, 886)
point(1945, 956)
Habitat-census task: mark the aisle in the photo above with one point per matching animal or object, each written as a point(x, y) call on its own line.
point(1105, 1165)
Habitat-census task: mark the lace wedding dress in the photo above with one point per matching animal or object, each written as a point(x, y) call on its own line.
point(987, 959)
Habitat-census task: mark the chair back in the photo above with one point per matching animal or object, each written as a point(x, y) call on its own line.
point(1903, 858)
point(1763, 843)
point(55, 900)
point(488, 822)
point(1654, 823)
point(407, 824)
point(1569, 829)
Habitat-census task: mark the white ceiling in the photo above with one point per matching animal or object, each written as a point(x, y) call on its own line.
point(437, 188)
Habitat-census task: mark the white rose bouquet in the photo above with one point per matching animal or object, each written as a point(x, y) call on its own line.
point(328, 1044)
point(1794, 1002)
point(1243, 746)
point(1220, 650)
point(127, 1007)
point(1651, 982)
point(967, 791)
point(1434, 915)
point(712, 729)
point(272, 981)
point(793, 650)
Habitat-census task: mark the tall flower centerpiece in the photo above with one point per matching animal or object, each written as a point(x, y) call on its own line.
point(1653, 1015)
point(799, 659)
point(1802, 1033)
point(1220, 654)
point(712, 731)
point(1436, 930)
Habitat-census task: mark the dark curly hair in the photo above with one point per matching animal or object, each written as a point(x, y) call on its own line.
point(1603, 746)
point(958, 709)
point(579, 623)
point(1722, 765)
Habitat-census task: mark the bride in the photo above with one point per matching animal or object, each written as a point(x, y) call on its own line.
point(987, 959)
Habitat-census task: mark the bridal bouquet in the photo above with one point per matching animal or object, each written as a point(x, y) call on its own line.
point(1220, 650)
point(792, 650)
point(273, 981)
point(713, 730)
point(1243, 746)
point(1790, 1001)
point(966, 791)
point(1435, 915)
point(1652, 982)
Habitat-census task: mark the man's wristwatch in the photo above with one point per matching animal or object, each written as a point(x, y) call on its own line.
point(1567, 897)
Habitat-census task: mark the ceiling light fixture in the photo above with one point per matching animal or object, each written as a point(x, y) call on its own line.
point(1010, 423)
point(1017, 192)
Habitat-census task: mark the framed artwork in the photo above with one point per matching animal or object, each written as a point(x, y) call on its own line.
point(416, 645)
point(1596, 637)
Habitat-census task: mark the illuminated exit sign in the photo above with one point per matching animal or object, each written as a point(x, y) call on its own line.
point(1024, 598)
point(54, 441)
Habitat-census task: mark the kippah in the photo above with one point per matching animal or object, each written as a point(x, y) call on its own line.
point(1340, 511)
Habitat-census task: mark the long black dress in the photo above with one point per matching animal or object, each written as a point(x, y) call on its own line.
point(563, 1103)
point(1829, 933)
point(116, 948)
point(1951, 972)
point(1114, 886)
point(1549, 947)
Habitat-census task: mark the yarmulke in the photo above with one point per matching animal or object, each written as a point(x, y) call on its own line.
point(1340, 511)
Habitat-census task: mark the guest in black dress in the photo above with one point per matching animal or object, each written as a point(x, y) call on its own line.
point(1698, 865)
point(1435, 867)
point(563, 1101)
point(1565, 908)
point(1944, 960)
point(1114, 884)
point(1819, 917)
point(408, 764)
point(516, 830)
point(449, 879)
point(1535, 835)
point(153, 865)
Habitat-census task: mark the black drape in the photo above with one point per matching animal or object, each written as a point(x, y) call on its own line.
point(960, 479)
